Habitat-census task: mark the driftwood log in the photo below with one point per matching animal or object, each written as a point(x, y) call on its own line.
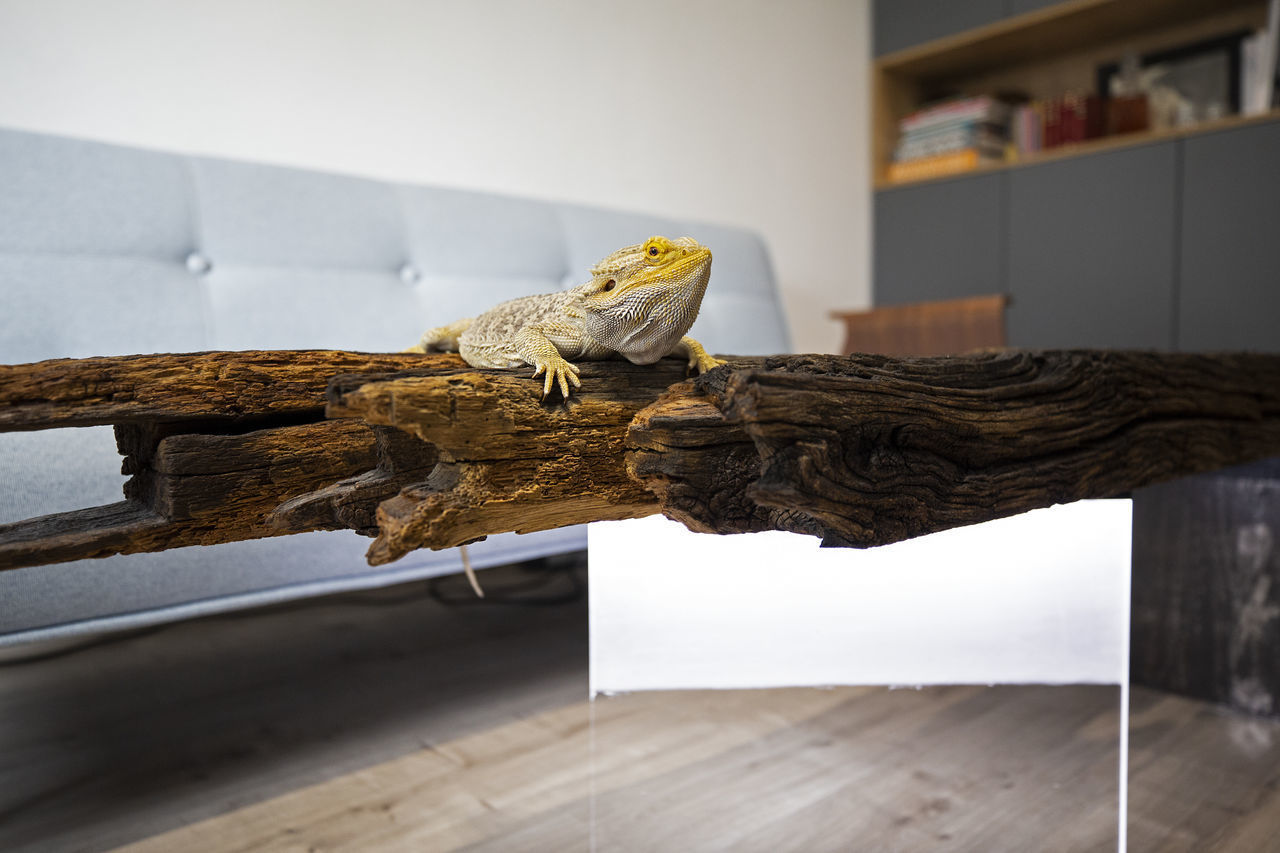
point(423, 451)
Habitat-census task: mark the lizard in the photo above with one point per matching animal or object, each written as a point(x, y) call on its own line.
point(639, 303)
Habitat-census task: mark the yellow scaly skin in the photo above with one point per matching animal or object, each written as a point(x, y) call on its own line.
point(639, 304)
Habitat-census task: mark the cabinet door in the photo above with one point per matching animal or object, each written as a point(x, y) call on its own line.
point(1230, 276)
point(1020, 7)
point(899, 24)
point(939, 240)
point(1091, 250)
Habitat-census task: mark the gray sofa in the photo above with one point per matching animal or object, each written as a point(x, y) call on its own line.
point(106, 250)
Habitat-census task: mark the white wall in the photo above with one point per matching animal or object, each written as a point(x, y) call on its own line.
point(751, 112)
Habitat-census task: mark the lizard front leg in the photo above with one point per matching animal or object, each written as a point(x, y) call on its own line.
point(535, 348)
point(698, 358)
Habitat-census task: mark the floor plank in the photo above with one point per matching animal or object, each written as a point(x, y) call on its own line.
point(389, 721)
point(132, 739)
point(770, 770)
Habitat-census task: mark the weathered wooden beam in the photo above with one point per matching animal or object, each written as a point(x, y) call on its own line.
point(869, 450)
point(859, 451)
point(214, 442)
point(508, 461)
point(219, 386)
point(196, 489)
point(352, 503)
point(100, 531)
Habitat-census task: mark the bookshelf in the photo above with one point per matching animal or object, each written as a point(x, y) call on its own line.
point(1149, 240)
point(1044, 53)
point(1160, 240)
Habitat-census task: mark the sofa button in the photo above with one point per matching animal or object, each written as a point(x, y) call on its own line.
point(409, 274)
point(198, 264)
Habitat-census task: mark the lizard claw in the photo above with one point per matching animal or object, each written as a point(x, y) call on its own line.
point(699, 360)
point(702, 362)
point(559, 372)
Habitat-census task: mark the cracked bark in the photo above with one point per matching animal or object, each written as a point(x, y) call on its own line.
point(869, 450)
point(508, 461)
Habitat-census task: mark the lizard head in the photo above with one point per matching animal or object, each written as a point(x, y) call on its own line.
point(642, 299)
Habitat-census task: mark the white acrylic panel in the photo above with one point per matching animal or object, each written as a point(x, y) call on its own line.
point(1037, 598)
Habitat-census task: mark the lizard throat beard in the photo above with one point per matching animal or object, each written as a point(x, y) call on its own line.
point(646, 328)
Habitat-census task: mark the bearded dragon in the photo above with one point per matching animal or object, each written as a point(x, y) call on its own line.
point(639, 303)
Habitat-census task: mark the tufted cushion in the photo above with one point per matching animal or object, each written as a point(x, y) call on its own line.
point(269, 308)
point(71, 197)
point(75, 306)
point(465, 235)
point(268, 216)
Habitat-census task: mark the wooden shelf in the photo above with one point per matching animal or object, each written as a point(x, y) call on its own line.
point(1095, 146)
point(1063, 28)
point(1046, 53)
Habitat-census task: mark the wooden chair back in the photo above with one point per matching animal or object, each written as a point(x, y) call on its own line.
point(946, 327)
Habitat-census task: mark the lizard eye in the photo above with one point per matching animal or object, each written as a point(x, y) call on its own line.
point(609, 285)
point(653, 251)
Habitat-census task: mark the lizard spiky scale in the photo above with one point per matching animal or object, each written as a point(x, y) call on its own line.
point(639, 304)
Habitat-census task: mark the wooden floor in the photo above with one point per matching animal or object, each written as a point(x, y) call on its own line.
point(391, 722)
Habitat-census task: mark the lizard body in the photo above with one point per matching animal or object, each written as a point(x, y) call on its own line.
point(639, 303)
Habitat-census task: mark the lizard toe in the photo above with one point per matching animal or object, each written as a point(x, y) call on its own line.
point(557, 375)
point(703, 362)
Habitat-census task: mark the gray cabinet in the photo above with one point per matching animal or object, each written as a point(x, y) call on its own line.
point(1020, 7)
point(939, 240)
point(1092, 248)
point(899, 24)
point(1230, 246)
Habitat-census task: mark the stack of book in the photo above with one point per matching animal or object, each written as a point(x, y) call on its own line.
point(950, 137)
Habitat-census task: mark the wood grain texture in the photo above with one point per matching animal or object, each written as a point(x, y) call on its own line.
point(868, 450)
point(508, 461)
point(1206, 588)
point(861, 451)
point(942, 327)
point(213, 442)
point(853, 768)
point(222, 386)
point(352, 503)
point(195, 489)
point(699, 464)
point(156, 729)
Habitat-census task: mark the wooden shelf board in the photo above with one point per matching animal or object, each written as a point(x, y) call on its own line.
point(1058, 29)
point(1096, 146)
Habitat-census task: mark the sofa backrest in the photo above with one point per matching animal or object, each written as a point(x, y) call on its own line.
point(106, 250)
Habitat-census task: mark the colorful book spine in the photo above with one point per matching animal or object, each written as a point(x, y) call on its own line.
point(1073, 117)
point(1027, 129)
